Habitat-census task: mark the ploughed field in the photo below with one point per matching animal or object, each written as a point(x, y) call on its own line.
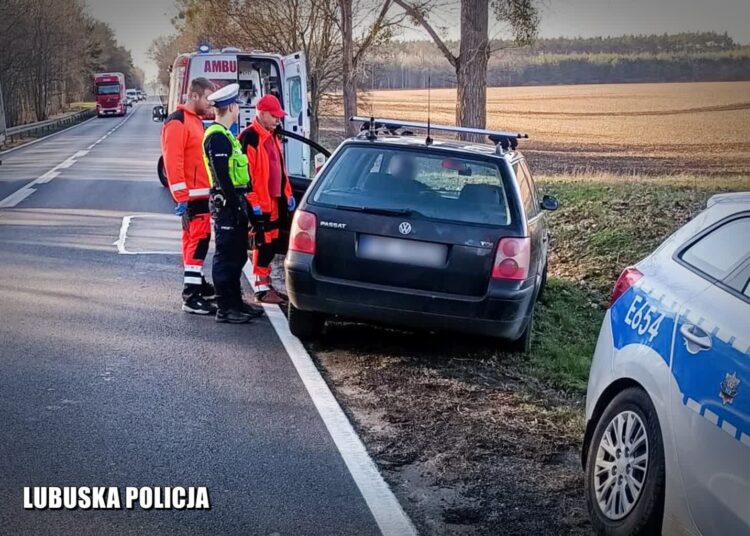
point(624, 128)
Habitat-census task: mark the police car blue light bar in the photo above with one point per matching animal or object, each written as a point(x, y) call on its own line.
point(392, 124)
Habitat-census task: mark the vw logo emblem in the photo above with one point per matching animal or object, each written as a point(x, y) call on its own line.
point(404, 228)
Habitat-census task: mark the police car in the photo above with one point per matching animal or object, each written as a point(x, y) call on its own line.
point(667, 442)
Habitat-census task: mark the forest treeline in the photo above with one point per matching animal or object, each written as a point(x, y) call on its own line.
point(684, 57)
point(49, 51)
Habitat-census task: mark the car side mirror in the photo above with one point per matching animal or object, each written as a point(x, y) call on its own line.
point(549, 203)
point(157, 113)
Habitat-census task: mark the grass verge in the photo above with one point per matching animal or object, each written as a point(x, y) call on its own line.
point(605, 223)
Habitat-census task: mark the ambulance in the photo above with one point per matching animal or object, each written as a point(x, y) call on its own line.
point(258, 73)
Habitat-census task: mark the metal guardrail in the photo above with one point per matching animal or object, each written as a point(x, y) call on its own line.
point(49, 125)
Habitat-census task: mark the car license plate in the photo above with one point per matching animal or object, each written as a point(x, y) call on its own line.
point(382, 248)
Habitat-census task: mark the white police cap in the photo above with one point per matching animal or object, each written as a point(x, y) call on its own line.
point(225, 96)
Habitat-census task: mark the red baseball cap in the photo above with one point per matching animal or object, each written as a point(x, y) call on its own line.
point(269, 103)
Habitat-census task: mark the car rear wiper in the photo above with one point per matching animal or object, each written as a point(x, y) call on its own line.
point(378, 210)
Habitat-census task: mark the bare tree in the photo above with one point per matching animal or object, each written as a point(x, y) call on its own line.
point(359, 36)
point(522, 16)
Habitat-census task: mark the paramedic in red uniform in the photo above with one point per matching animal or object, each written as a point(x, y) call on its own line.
point(271, 191)
point(182, 148)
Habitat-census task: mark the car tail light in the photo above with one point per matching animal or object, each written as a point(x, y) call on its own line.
point(512, 259)
point(627, 279)
point(302, 235)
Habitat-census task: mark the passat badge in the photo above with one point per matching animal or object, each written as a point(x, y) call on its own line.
point(333, 225)
point(729, 388)
point(404, 228)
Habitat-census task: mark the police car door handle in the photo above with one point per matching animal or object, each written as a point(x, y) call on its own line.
point(695, 335)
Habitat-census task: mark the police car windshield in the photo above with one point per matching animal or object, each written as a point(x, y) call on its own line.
point(431, 185)
point(107, 89)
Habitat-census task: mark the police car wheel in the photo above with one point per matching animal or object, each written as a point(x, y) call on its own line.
point(305, 325)
point(625, 467)
point(161, 172)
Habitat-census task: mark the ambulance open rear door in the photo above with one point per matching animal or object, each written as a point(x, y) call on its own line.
point(297, 120)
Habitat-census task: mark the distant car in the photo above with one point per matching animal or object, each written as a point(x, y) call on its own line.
point(667, 442)
point(131, 95)
point(415, 232)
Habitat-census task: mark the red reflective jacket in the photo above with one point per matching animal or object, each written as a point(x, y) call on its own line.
point(182, 148)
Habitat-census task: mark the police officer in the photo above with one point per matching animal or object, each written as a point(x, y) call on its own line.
point(228, 174)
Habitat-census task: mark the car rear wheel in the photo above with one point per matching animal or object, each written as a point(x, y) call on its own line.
point(305, 325)
point(625, 467)
point(522, 345)
point(162, 172)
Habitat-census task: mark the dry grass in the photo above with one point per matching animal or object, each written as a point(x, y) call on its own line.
point(693, 125)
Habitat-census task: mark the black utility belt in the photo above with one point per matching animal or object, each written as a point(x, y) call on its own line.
point(197, 206)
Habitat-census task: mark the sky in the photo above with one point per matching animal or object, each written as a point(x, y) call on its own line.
point(138, 22)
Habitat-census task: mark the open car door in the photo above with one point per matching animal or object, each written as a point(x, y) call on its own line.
point(297, 121)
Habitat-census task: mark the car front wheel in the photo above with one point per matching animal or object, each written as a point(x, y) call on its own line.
point(625, 467)
point(305, 325)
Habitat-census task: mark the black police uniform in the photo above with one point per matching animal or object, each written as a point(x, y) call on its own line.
point(230, 214)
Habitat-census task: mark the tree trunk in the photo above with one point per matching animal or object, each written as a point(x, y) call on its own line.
point(471, 67)
point(349, 78)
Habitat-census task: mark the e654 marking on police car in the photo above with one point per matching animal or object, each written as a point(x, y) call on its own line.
point(644, 318)
point(639, 319)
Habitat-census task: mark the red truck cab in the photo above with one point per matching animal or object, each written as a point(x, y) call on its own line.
point(110, 94)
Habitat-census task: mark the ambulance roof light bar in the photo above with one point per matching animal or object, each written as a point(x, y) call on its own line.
point(500, 138)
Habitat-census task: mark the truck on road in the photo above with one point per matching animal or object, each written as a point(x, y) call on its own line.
point(109, 89)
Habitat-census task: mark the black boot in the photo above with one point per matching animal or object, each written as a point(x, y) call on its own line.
point(232, 316)
point(198, 305)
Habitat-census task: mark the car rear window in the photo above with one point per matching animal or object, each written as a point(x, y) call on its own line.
point(432, 185)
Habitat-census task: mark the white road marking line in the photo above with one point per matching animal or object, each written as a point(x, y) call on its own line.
point(121, 240)
point(25, 191)
point(16, 197)
point(385, 508)
point(51, 174)
point(32, 142)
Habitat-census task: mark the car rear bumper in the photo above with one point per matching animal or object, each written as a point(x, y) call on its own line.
point(500, 313)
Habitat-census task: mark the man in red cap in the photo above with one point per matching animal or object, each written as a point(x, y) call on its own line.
point(271, 194)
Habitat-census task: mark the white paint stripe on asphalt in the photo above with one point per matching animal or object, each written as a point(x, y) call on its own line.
point(385, 508)
point(25, 191)
point(16, 197)
point(122, 239)
point(32, 142)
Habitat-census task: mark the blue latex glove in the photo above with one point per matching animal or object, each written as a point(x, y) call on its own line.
point(180, 209)
point(292, 204)
point(257, 211)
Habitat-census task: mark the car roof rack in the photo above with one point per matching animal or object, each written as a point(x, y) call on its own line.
point(371, 126)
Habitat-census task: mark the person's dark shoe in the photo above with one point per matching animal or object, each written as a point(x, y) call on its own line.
point(198, 305)
point(232, 316)
point(254, 311)
point(207, 290)
point(269, 296)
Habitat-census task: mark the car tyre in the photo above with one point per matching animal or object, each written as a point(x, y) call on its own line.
point(161, 172)
point(522, 345)
point(305, 325)
point(542, 283)
point(644, 516)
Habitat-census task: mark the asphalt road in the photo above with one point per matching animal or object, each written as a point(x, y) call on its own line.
point(105, 382)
